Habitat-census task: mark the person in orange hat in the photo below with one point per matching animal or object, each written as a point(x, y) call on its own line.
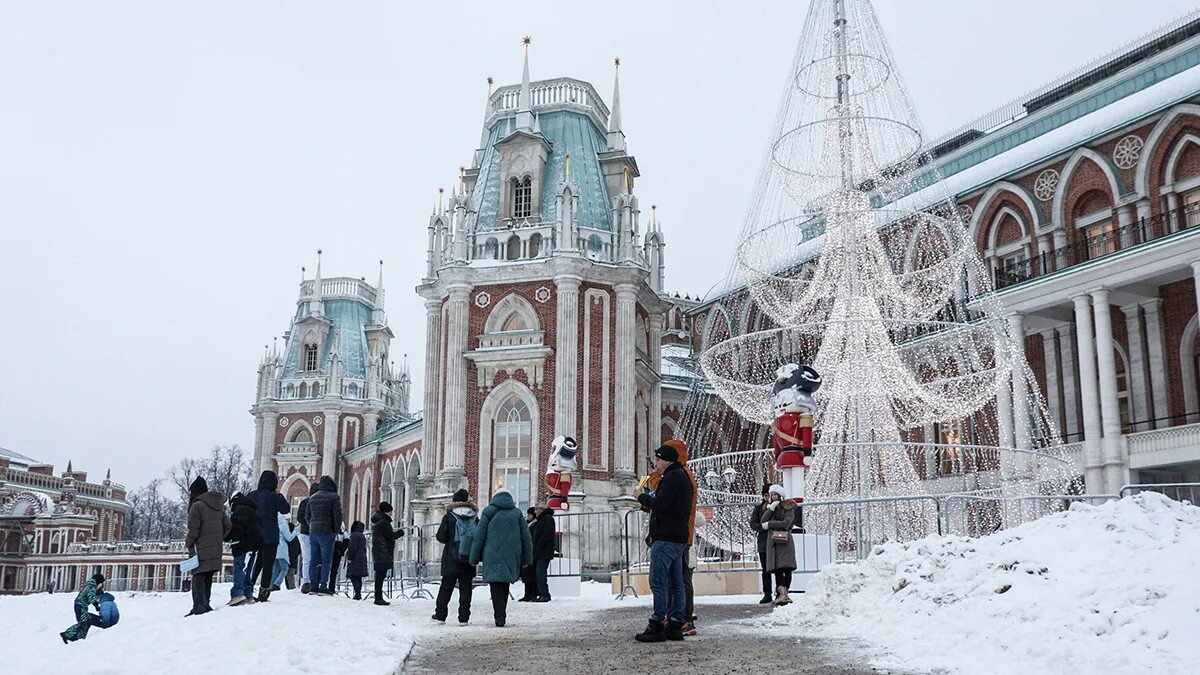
point(650, 484)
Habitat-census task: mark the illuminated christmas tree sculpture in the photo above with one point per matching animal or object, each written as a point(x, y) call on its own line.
point(859, 264)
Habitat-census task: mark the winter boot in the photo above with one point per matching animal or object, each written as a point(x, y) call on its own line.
point(439, 619)
point(786, 599)
point(65, 639)
point(263, 595)
point(655, 632)
point(674, 631)
point(381, 602)
point(766, 599)
point(306, 588)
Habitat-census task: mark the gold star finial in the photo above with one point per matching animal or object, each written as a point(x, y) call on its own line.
point(617, 62)
point(526, 40)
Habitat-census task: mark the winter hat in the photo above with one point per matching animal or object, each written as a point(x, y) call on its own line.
point(359, 525)
point(198, 487)
point(461, 495)
point(501, 491)
point(98, 578)
point(385, 507)
point(679, 446)
point(667, 452)
point(778, 489)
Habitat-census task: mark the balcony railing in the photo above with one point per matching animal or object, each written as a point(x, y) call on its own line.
point(1097, 246)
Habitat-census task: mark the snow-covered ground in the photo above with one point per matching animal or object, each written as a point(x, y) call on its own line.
point(291, 633)
point(1105, 589)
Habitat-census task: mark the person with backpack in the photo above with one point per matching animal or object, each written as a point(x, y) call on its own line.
point(456, 533)
point(269, 504)
point(305, 549)
point(207, 527)
point(246, 535)
point(324, 523)
point(383, 547)
point(502, 543)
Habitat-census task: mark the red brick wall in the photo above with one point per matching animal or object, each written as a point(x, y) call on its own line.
point(1178, 308)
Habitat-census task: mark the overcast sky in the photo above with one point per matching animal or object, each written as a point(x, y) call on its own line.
point(166, 170)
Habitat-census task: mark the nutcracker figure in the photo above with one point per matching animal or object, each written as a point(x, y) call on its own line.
point(793, 426)
point(558, 472)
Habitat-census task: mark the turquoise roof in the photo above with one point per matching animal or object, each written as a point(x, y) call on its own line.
point(567, 132)
point(349, 320)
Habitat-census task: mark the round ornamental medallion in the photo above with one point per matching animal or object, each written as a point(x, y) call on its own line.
point(542, 294)
point(318, 421)
point(483, 299)
point(965, 212)
point(283, 421)
point(1043, 187)
point(1127, 152)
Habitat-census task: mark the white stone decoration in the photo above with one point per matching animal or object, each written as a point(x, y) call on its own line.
point(965, 212)
point(318, 421)
point(483, 299)
point(1045, 184)
point(542, 294)
point(1127, 151)
point(283, 421)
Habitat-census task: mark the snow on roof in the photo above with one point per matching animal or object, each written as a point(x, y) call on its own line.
point(17, 458)
point(1111, 117)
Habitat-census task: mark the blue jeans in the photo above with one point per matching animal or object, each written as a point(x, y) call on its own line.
point(243, 571)
point(281, 568)
point(321, 545)
point(666, 580)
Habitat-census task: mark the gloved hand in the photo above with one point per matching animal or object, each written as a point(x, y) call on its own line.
point(766, 526)
point(772, 505)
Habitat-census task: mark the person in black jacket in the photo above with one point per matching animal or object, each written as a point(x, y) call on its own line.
point(324, 524)
point(356, 557)
point(529, 572)
point(305, 547)
point(542, 531)
point(761, 534)
point(457, 570)
point(383, 547)
point(269, 504)
point(246, 535)
point(670, 514)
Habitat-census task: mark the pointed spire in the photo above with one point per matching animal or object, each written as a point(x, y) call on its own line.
point(69, 469)
point(274, 346)
point(616, 135)
point(653, 217)
point(439, 206)
point(525, 101)
point(567, 168)
point(537, 124)
point(379, 285)
point(317, 306)
point(108, 474)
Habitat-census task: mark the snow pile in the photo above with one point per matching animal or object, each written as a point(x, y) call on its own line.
point(1110, 588)
point(291, 633)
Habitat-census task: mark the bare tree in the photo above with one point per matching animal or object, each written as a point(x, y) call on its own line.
point(227, 469)
point(155, 517)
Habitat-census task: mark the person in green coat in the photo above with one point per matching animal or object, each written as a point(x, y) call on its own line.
point(502, 542)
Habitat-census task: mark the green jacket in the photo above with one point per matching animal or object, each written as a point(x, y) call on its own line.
point(502, 541)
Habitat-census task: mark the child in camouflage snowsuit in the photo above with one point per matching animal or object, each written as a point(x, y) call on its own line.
point(88, 595)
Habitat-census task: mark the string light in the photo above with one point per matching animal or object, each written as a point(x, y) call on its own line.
point(884, 295)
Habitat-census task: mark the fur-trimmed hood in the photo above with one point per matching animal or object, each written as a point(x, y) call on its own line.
point(465, 509)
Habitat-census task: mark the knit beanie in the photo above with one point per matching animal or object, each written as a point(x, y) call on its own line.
point(461, 495)
point(198, 487)
point(385, 507)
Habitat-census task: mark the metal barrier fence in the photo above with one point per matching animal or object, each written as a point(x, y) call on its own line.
point(597, 545)
point(1176, 491)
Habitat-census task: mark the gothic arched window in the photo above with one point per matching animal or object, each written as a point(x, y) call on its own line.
point(535, 242)
point(310, 357)
point(522, 197)
point(513, 248)
point(513, 430)
point(514, 322)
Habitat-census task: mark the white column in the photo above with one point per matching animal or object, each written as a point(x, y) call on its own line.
point(1156, 364)
point(1110, 410)
point(433, 343)
point(456, 385)
point(267, 444)
point(1196, 282)
point(1020, 383)
point(654, 434)
point(1173, 223)
point(329, 450)
point(1093, 462)
point(566, 358)
point(1139, 390)
point(1053, 389)
point(258, 444)
point(1004, 416)
point(1124, 220)
point(1070, 379)
point(626, 382)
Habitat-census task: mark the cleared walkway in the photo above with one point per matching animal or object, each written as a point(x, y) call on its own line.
point(601, 641)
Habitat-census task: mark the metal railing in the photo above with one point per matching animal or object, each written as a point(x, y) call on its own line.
point(1176, 491)
point(1134, 234)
